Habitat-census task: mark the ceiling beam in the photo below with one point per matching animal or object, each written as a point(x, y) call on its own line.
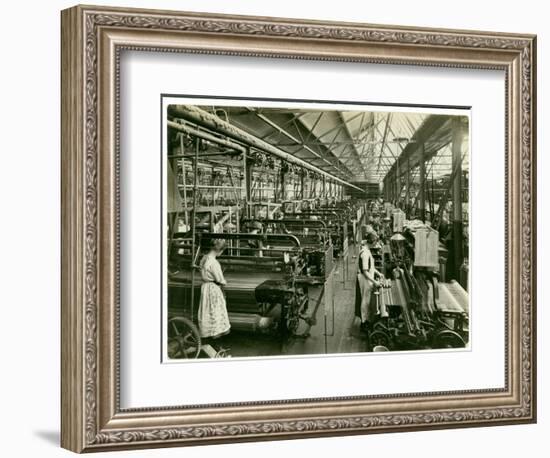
point(353, 146)
point(432, 126)
point(384, 136)
point(297, 141)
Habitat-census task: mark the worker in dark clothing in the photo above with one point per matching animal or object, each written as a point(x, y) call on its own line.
point(256, 245)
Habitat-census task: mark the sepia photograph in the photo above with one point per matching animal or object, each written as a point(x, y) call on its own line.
point(299, 230)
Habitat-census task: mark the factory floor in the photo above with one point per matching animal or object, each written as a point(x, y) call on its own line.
point(335, 331)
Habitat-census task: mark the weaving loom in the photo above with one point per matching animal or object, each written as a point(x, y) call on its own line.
point(415, 310)
point(263, 293)
point(336, 224)
point(315, 241)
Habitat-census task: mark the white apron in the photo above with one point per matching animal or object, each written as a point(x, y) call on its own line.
point(365, 286)
point(212, 315)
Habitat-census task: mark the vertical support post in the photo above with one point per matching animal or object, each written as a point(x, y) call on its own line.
point(193, 223)
point(282, 194)
point(185, 204)
point(398, 182)
point(458, 246)
point(213, 183)
point(408, 190)
point(432, 195)
point(173, 217)
point(247, 182)
point(422, 191)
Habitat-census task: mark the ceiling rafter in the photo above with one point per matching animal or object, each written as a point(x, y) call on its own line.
point(388, 117)
point(357, 145)
point(338, 166)
point(348, 133)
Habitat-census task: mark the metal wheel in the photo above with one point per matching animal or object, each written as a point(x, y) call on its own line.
point(448, 339)
point(184, 339)
point(291, 316)
point(289, 322)
point(292, 324)
point(380, 338)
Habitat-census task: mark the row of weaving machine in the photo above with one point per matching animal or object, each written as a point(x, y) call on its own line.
point(268, 273)
point(415, 309)
point(284, 221)
point(287, 253)
point(264, 292)
point(222, 183)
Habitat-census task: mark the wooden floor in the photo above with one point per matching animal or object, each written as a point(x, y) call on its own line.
point(336, 329)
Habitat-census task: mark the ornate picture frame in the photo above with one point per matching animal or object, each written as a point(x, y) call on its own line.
point(92, 40)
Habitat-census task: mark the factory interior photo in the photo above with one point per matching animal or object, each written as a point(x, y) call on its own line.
point(309, 229)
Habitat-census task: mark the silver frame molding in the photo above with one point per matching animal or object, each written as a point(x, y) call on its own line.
point(92, 39)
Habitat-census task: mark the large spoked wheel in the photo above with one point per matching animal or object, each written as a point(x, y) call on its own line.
point(290, 319)
point(448, 339)
point(289, 322)
point(184, 339)
point(380, 338)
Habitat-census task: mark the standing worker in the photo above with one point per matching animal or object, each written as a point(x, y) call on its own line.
point(367, 280)
point(255, 244)
point(212, 314)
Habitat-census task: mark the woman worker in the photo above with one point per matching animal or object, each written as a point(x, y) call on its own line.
point(366, 282)
point(213, 317)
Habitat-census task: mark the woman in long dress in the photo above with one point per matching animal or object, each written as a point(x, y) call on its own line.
point(213, 317)
point(365, 285)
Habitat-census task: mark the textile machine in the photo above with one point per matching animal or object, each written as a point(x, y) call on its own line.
point(263, 292)
point(315, 241)
point(336, 225)
point(415, 310)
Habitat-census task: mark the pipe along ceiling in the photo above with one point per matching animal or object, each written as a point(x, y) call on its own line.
point(213, 123)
